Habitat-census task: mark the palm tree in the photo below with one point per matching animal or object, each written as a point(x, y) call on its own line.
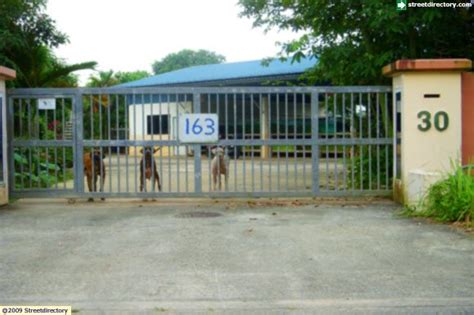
point(103, 79)
point(39, 67)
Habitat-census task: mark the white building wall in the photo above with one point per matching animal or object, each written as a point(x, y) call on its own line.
point(138, 119)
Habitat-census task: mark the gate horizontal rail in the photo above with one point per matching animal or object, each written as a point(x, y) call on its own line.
point(116, 143)
point(66, 92)
point(277, 142)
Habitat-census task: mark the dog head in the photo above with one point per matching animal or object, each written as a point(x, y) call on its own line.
point(149, 151)
point(97, 156)
point(218, 151)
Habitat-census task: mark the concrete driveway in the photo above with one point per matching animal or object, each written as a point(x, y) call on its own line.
point(232, 257)
point(177, 174)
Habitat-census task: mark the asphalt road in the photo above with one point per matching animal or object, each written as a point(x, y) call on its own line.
point(235, 257)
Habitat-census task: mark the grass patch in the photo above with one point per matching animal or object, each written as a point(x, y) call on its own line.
point(12, 199)
point(451, 199)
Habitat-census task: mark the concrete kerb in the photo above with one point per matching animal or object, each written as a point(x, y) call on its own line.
point(202, 202)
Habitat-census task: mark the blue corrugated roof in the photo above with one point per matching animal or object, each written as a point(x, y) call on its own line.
point(225, 71)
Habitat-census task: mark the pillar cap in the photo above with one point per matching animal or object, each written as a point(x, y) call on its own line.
point(414, 65)
point(7, 73)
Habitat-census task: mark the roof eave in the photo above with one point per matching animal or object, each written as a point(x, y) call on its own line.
point(233, 81)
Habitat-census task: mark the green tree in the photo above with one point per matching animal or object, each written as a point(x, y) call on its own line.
point(354, 39)
point(39, 67)
point(25, 22)
point(109, 78)
point(102, 79)
point(123, 77)
point(27, 36)
point(186, 58)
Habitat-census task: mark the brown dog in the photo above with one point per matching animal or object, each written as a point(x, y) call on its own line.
point(93, 168)
point(148, 169)
point(220, 166)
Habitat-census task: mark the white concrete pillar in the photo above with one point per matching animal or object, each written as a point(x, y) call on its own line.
point(5, 74)
point(427, 94)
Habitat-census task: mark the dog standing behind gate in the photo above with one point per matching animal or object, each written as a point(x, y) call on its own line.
point(220, 166)
point(148, 169)
point(93, 168)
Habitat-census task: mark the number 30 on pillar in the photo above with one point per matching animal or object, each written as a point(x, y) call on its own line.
point(440, 121)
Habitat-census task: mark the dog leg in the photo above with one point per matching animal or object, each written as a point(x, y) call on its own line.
point(102, 182)
point(89, 185)
point(141, 179)
point(144, 188)
point(159, 181)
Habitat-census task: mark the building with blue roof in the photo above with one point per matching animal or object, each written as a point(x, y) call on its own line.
point(244, 73)
point(155, 115)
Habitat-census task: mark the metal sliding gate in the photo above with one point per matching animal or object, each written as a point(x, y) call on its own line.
point(278, 141)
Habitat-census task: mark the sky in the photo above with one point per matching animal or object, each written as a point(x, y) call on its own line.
point(124, 35)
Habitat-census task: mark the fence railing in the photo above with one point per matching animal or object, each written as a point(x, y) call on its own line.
point(277, 141)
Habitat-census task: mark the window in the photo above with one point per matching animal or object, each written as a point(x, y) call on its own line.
point(159, 124)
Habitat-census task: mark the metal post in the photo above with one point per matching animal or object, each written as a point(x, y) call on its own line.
point(395, 136)
point(78, 138)
point(197, 148)
point(11, 161)
point(314, 142)
point(264, 127)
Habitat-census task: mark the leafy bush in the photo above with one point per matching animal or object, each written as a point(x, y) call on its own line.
point(379, 165)
point(451, 198)
point(43, 173)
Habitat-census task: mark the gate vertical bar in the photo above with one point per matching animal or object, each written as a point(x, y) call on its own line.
point(11, 165)
point(63, 123)
point(270, 136)
point(314, 142)
point(197, 147)
point(395, 135)
point(186, 148)
point(386, 135)
point(78, 142)
point(20, 129)
point(303, 136)
point(56, 149)
point(29, 149)
point(178, 148)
